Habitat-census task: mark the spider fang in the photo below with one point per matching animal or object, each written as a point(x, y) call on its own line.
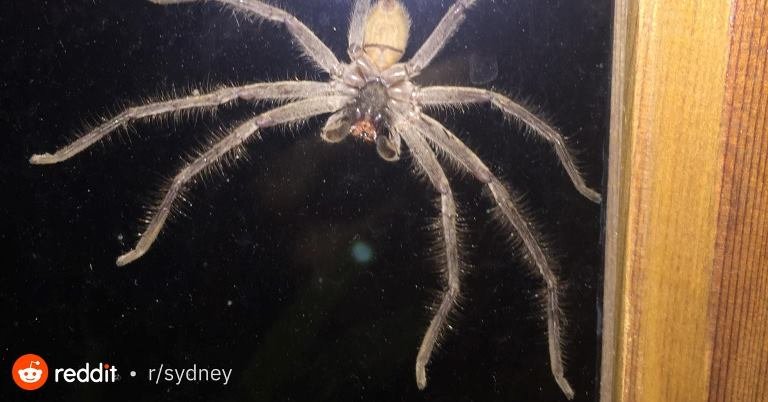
point(364, 129)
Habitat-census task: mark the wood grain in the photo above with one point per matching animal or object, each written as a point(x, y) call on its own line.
point(686, 312)
point(674, 148)
point(739, 310)
point(624, 17)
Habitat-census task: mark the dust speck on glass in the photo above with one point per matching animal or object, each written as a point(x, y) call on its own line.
point(385, 157)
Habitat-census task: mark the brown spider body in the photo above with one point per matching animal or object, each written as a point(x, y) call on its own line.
point(387, 27)
point(372, 97)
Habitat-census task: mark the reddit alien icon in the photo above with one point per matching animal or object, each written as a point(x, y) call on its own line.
point(30, 372)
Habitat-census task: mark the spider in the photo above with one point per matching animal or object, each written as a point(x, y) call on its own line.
point(372, 98)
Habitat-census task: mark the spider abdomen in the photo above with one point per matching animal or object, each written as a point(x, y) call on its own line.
point(386, 33)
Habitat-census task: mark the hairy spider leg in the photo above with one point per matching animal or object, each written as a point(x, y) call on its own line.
point(291, 112)
point(437, 40)
point(512, 216)
point(457, 96)
point(426, 161)
point(312, 46)
point(285, 90)
point(357, 28)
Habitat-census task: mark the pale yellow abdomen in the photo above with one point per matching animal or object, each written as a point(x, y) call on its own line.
point(386, 33)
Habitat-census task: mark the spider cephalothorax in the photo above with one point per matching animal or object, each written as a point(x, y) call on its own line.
point(368, 110)
point(366, 118)
point(372, 98)
point(362, 118)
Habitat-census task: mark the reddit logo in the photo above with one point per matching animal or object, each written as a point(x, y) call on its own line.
point(30, 372)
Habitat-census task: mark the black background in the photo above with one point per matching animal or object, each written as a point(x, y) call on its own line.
point(258, 275)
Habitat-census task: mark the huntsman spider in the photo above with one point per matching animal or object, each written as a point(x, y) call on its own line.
point(372, 98)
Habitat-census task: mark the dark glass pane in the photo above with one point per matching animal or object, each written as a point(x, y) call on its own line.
point(309, 269)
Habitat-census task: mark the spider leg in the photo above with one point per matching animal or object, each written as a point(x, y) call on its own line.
point(427, 161)
point(455, 96)
point(291, 112)
point(310, 43)
point(510, 211)
point(285, 90)
point(356, 27)
point(445, 29)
